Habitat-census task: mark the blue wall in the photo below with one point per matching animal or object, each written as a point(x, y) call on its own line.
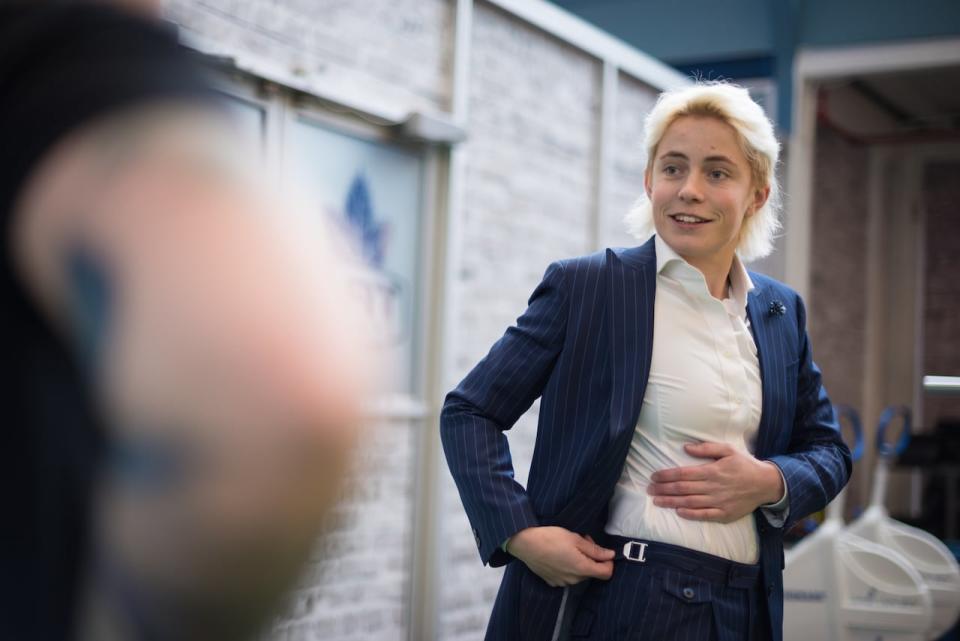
point(838, 22)
point(685, 31)
point(758, 38)
point(715, 29)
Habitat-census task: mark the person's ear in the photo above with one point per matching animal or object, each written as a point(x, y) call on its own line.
point(648, 181)
point(760, 197)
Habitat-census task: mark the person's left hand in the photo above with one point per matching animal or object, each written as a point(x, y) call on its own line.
point(729, 487)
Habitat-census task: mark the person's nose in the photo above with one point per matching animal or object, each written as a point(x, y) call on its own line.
point(692, 189)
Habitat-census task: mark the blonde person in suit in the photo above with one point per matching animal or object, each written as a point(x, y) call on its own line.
point(683, 424)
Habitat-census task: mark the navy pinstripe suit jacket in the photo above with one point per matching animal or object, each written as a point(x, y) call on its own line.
point(583, 346)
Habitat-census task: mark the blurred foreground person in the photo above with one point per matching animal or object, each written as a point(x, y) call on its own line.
point(185, 365)
point(683, 423)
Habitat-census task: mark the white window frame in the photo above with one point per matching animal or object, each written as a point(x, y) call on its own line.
point(282, 107)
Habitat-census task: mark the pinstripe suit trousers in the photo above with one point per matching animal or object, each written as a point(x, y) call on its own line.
point(672, 593)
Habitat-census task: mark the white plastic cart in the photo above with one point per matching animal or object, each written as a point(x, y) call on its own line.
point(925, 552)
point(841, 587)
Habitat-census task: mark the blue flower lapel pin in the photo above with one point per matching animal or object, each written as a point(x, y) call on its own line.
point(777, 308)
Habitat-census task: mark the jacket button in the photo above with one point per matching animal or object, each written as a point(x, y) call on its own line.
point(770, 590)
point(688, 593)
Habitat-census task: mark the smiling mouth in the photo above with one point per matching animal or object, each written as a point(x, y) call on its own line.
point(688, 219)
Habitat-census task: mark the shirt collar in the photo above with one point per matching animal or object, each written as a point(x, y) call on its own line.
point(677, 267)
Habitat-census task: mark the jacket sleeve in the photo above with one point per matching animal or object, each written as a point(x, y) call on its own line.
point(489, 401)
point(817, 464)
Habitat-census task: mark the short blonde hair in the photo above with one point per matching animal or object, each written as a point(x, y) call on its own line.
point(733, 105)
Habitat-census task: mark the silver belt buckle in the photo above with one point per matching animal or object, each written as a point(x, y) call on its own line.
point(635, 551)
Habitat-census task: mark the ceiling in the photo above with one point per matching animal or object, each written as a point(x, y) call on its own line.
point(921, 105)
point(918, 99)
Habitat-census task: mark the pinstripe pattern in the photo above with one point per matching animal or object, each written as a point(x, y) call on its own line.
point(584, 345)
point(650, 604)
point(676, 594)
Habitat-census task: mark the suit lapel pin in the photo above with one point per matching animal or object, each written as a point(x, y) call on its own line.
point(777, 308)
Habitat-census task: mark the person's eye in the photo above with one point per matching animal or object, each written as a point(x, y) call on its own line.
point(719, 174)
point(670, 170)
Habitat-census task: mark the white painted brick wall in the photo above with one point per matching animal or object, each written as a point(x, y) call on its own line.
point(634, 101)
point(397, 52)
point(356, 588)
point(533, 123)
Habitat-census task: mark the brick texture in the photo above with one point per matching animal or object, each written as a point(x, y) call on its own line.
point(356, 587)
point(529, 196)
point(634, 101)
point(395, 51)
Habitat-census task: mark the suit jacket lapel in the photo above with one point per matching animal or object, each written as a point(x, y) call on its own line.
point(770, 367)
point(630, 299)
point(630, 291)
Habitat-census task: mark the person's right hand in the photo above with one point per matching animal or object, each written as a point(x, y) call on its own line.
point(561, 557)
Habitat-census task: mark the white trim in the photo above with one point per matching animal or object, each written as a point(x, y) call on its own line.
point(306, 108)
point(251, 91)
point(942, 385)
point(609, 85)
point(421, 597)
point(424, 598)
point(583, 35)
point(799, 185)
point(271, 71)
point(835, 62)
point(462, 51)
point(276, 126)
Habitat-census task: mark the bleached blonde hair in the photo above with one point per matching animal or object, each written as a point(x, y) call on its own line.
point(733, 105)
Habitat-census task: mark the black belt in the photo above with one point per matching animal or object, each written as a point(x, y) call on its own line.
point(707, 566)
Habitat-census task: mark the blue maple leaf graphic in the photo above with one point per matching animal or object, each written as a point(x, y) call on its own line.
point(359, 209)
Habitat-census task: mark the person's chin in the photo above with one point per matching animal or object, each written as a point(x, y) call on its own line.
point(684, 244)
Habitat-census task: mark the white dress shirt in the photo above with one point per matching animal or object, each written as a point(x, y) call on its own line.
point(704, 385)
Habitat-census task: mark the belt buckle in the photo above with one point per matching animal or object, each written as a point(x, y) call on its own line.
point(635, 551)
